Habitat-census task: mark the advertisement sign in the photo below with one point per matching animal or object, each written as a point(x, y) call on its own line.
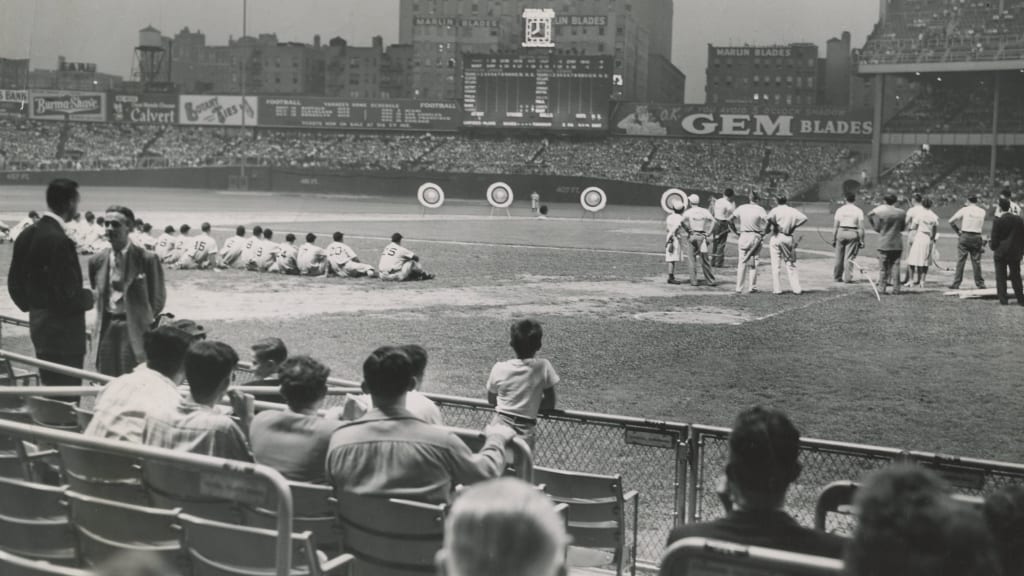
point(316, 112)
point(696, 121)
point(13, 102)
point(217, 110)
point(144, 108)
point(60, 105)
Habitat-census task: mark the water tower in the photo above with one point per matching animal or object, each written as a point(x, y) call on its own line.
point(148, 65)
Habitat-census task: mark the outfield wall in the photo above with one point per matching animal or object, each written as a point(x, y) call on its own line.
point(384, 183)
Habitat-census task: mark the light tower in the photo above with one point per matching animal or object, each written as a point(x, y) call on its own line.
point(148, 67)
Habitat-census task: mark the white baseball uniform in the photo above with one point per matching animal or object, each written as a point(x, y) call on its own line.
point(673, 246)
point(311, 259)
point(232, 250)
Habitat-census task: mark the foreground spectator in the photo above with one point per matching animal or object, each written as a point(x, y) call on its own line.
point(152, 388)
point(267, 356)
point(763, 450)
point(520, 388)
point(415, 401)
point(130, 293)
point(391, 453)
point(1004, 514)
point(195, 425)
point(294, 441)
point(503, 527)
point(908, 525)
point(1007, 250)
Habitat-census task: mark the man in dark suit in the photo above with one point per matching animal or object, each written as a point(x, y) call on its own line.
point(45, 280)
point(130, 292)
point(763, 450)
point(1007, 250)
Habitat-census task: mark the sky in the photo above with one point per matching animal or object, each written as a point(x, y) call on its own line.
point(105, 31)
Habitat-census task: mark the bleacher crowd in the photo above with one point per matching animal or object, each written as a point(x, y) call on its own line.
point(948, 174)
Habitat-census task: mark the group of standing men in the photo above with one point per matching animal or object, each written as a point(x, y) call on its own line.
point(750, 222)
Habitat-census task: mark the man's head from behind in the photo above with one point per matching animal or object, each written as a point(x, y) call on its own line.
point(526, 337)
point(62, 198)
point(418, 356)
point(208, 367)
point(257, 231)
point(1006, 193)
point(890, 199)
point(185, 229)
point(165, 348)
point(388, 375)
point(240, 231)
point(268, 234)
point(169, 229)
point(267, 356)
point(338, 237)
point(311, 238)
point(205, 227)
point(289, 238)
point(1004, 204)
point(503, 527)
point(908, 525)
point(303, 382)
point(763, 450)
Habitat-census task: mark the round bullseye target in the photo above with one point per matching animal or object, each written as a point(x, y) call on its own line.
point(430, 195)
point(593, 199)
point(499, 195)
point(674, 196)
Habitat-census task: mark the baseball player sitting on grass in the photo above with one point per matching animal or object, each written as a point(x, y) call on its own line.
point(180, 243)
point(342, 260)
point(264, 253)
point(201, 253)
point(165, 243)
point(250, 246)
point(232, 249)
point(286, 257)
point(311, 260)
point(399, 264)
point(145, 239)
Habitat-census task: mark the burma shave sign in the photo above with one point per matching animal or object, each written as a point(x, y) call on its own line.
point(61, 105)
point(635, 119)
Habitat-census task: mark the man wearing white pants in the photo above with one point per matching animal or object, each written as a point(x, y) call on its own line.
point(749, 221)
point(783, 220)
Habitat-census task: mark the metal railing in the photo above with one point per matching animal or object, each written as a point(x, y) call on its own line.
point(218, 466)
point(675, 464)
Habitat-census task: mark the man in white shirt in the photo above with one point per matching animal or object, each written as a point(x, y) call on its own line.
point(697, 223)
point(783, 220)
point(673, 240)
point(1014, 207)
point(968, 223)
point(398, 263)
point(232, 250)
point(201, 253)
point(343, 260)
point(311, 259)
point(847, 236)
point(722, 210)
point(749, 221)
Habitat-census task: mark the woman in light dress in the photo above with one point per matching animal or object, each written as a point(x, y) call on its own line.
point(923, 231)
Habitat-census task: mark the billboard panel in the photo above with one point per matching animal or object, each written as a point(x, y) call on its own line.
point(144, 108)
point(61, 104)
point(315, 112)
point(13, 102)
point(739, 121)
point(216, 110)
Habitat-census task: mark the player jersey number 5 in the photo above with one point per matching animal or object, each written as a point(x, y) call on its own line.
point(391, 251)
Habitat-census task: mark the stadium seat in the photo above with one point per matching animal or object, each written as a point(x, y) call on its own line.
point(52, 413)
point(313, 510)
point(703, 557)
point(837, 498)
point(12, 565)
point(34, 522)
point(169, 486)
point(390, 537)
point(84, 417)
point(219, 549)
point(105, 528)
point(102, 474)
point(11, 376)
point(596, 513)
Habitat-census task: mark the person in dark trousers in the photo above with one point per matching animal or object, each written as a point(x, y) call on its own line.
point(1007, 250)
point(764, 447)
point(45, 280)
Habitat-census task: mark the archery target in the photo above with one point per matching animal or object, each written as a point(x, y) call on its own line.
point(430, 195)
point(593, 199)
point(668, 198)
point(499, 195)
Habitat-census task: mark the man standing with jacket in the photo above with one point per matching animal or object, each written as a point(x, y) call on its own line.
point(1007, 250)
point(129, 284)
point(45, 280)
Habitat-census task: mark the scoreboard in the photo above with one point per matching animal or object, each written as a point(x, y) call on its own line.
point(544, 91)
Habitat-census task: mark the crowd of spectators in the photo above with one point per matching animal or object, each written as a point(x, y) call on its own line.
point(947, 31)
point(948, 174)
point(960, 103)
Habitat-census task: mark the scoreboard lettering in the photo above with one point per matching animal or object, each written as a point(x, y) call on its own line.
point(546, 91)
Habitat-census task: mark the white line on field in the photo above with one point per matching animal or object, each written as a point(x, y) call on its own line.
point(843, 294)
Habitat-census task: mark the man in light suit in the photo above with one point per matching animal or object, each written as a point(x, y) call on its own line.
point(45, 280)
point(129, 284)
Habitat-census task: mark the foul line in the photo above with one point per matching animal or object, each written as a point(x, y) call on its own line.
point(843, 294)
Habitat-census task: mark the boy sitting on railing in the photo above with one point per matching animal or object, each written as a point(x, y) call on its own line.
point(520, 388)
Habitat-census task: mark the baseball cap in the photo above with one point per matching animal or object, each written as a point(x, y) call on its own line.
point(188, 327)
point(396, 237)
point(694, 199)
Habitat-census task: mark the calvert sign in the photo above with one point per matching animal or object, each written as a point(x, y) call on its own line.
point(60, 105)
point(636, 119)
point(144, 108)
point(217, 110)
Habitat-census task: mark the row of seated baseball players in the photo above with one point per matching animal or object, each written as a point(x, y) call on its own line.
point(259, 252)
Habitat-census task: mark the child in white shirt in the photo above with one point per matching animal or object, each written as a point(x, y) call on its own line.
point(519, 389)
